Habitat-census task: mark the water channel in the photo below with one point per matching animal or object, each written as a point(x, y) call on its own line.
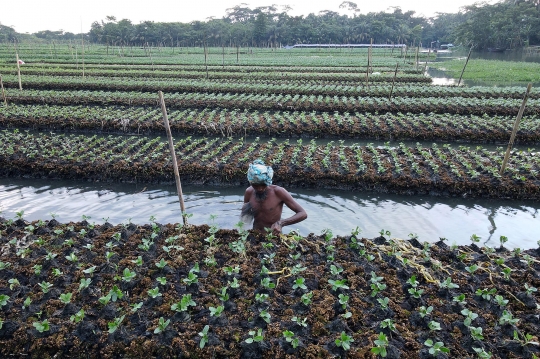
point(429, 217)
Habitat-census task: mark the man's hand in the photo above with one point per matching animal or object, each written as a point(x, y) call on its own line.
point(276, 228)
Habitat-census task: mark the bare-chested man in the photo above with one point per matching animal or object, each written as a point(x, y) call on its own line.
point(263, 201)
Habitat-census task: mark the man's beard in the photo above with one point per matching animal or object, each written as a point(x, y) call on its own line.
point(260, 196)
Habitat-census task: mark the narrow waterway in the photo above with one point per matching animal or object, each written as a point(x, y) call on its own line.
point(429, 217)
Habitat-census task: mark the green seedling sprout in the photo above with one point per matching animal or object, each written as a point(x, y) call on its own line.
point(470, 316)
point(416, 293)
point(299, 283)
point(154, 293)
point(471, 269)
point(338, 284)
point(300, 322)
point(476, 333)
point(503, 240)
point(230, 270)
point(113, 326)
point(344, 341)
point(162, 280)
point(261, 297)
point(13, 283)
point(138, 262)
point(265, 316)
point(307, 298)
point(216, 311)
point(77, 317)
point(412, 281)
point(255, 337)
point(3, 299)
point(506, 273)
point(291, 338)
point(335, 270)
point(448, 284)
point(486, 293)
point(267, 283)
point(42, 326)
point(85, 282)
point(383, 302)
point(192, 278)
point(27, 303)
point(66, 298)
point(128, 275)
point(234, 284)
point(501, 302)
point(162, 325)
point(184, 304)
point(136, 306)
point(433, 325)
point(45, 286)
point(204, 336)
point(482, 354)
point(425, 311)
point(475, 238)
point(436, 348)
point(388, 323)
point(381, 343)
point(529, 289)
point(508, 318)
point(343, 300)
point(37, 269)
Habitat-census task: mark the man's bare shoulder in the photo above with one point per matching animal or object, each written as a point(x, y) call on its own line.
point(280, 191)
point(249, 190)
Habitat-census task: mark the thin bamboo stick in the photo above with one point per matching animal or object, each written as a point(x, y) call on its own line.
point(19, 71)
point(3, 91)
point(514, 130)
point(393, 81)
point(466, 62)
point(173, 155)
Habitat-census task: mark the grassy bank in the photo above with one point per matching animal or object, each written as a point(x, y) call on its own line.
point(492, 70)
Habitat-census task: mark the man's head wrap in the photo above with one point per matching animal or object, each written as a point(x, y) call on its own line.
point(259, 173)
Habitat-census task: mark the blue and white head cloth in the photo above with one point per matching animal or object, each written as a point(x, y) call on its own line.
point(259, 173)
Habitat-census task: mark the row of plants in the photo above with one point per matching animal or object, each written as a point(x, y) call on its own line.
point(348, 77)
point(407, 68)
point(404, 87)
point(403, 169)
point(102, 291)
point(225, 122)
point(454, 105)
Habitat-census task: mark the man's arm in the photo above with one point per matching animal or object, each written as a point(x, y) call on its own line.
point(300, 213)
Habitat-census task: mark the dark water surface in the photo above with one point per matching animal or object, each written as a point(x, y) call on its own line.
point(430, 217)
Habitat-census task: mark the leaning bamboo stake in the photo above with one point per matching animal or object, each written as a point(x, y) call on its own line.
point(466, 62)
point(514, 130)
point(425, 65)
point(393, 82)
point(19, 71)
point(173, 155)
point(3, 91)
point(206, 60)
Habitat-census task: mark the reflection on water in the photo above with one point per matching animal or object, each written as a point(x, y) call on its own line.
point(430, 217)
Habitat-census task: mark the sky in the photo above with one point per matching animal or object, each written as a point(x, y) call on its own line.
point(74, 15)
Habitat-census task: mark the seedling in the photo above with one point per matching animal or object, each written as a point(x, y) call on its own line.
point(77, 317)
point(471, 269)
point(231, 270)
point(37, 269)
point(503, 240)
point(341, 284)
point(297, 269)
point(216, 312)
point(66, 298)
point(113, 326)
point(57, 272)
point(482, 354)
point(234, 284)
point(436, 348)
point(506, 273)
point(486, 293)
point(448, 284)
point(105, 299)
point(301, 322)
point(527, 339)
point(381, 344)
point(27, 302)
point(192, 278)
point(161, 264)
point(344, 341)
point(265, 316)
point(154, 293)
point(291, 338)
point(136, 306)
point(306, 298)
point(470, 316)
point(13, 283)
point(530, 289)
point(50, 256)
point(476, 333)
point(162, 325)
point(255, 336)
point(299, 283)
point(501, 302)
point(42, 326)
point(335, 270)
point(3, 299)
point(412, 281)
point(4, 265)
point(85, 282)
point(204, 336)
point(508, 318)
point(184, 304)
point(416, 293)
point(162, 280)
point(343, 300)
point(383, 302)
point(383, 233)
point(433, 325)
point(261, 297)
point(223, 296)
point(138, 262)
point(388, 323)
point(45, 286)
point(425, 311)
point(267, 283)
point(475, 238)
point(128, 275)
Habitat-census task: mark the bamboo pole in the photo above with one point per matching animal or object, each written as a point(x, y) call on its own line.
point(425, 65)
point(82, 42)
point(223, 56)
point(19, 71)
point(3, 91)
point(206, 60)
point(466, 62)
point(393, 82)
point(416, 57)
point(237, 50)
point(173, 155)
point(514, 130)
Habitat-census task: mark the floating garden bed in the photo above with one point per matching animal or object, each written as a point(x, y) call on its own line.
point(81, 290)
point(404, 170)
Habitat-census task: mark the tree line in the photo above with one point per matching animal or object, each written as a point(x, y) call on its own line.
point(507, 23)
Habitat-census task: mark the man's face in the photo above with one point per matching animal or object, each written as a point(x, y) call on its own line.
point(260, 191)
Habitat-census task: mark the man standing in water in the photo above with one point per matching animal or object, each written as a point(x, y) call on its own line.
point(263, 201)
